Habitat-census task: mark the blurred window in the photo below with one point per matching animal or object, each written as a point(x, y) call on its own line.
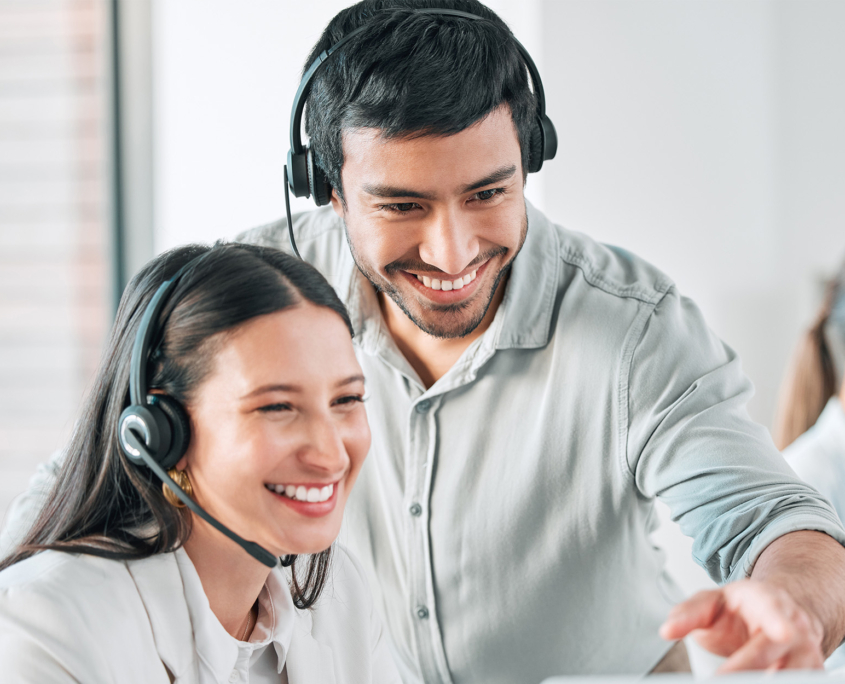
point(55, 296)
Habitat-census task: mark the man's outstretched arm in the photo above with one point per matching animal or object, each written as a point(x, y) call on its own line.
point(789, 614)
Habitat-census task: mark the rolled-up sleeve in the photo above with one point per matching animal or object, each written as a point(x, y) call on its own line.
point(691, 442)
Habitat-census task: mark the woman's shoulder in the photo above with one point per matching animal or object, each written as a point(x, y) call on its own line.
point(72, 613)
point(57, 571)
point(98, 592)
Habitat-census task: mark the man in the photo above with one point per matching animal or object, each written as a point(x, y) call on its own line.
point(532, 391)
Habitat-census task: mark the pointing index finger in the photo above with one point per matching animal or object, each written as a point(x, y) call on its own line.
point(697, 612)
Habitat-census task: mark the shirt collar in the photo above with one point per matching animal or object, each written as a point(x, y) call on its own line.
point(522, 321)
point(219, 650)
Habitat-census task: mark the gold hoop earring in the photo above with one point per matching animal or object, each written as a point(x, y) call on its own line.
point(180, 477)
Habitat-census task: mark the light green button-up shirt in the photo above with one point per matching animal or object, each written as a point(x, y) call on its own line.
point(504, 513)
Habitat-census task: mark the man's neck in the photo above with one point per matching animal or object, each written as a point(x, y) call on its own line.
point(431, 357)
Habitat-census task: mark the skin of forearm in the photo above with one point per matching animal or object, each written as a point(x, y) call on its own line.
point(810, 566)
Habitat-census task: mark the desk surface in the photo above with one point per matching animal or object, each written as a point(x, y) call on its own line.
point(784, 677)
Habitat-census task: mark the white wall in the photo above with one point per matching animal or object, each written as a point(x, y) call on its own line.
point(225, 74)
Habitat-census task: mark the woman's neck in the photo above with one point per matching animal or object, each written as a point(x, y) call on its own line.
point(231, 579)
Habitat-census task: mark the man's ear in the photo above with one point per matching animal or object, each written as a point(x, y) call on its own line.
point(337, 203)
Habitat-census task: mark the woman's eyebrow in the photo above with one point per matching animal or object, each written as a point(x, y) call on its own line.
point(351, 379)
point(277, 387)
point(272, 388)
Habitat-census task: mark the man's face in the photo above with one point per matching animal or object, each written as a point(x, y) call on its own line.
point(434, 222)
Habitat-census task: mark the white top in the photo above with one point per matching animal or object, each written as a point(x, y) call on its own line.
point(818, 456)
point(78, 618)
point(221, 656)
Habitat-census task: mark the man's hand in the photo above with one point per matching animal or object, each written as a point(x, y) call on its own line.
point(790, 614)
point(755, 625)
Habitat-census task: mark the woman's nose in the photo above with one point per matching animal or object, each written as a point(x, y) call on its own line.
point(325, 449)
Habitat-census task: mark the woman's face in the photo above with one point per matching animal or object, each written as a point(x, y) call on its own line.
point(279, 431)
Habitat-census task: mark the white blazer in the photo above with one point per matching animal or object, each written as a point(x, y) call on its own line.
point(78, 618)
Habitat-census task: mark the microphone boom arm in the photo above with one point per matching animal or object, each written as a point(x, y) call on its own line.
point(258, 552)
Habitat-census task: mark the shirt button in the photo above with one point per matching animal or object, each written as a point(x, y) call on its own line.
point(234, 676)
point(423, 406)
point(415, 510)
point(422, 612)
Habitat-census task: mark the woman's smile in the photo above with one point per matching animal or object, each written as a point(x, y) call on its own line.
point(308, 500)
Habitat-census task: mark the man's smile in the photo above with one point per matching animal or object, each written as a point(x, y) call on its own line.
point(447, 285)
point(446, 289)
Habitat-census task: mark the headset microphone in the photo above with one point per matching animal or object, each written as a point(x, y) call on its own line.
point(154, 430)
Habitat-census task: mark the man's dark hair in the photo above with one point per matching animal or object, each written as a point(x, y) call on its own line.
point(414, 74)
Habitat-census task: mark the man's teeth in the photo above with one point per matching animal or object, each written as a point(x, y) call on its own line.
point(300, 493)
point(447, 285)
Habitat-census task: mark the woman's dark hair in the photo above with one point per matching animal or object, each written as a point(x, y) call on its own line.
point(815, 373)
point(410, 74)
point(104, 505)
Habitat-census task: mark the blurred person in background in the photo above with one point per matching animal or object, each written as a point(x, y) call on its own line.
point(251, 361)
point(810, 422)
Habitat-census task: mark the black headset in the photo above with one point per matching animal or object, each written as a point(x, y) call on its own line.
point(306, 179)
point(154, 430)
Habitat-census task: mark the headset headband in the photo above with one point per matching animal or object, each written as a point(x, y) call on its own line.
point(146, 328)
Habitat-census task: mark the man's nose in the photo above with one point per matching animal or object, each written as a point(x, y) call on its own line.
point(449, 242)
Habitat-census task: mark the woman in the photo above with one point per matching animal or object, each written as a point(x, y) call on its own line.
point(810, 426)
point(116, 581)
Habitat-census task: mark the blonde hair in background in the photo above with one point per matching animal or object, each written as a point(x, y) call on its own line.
point(815, 371)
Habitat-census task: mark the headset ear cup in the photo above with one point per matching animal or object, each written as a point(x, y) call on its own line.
point(535, 147)
point(144, 422)
point(320, 189)
point(179, 428)
point(549, 138)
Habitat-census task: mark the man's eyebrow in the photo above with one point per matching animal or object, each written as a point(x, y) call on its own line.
point(296, 388)
point(390, 192)
point(498, 175)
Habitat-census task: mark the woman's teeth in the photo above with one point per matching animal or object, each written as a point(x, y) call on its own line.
point(300, 493)
point(447, 285)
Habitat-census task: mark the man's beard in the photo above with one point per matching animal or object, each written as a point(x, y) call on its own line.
point(448, 323)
